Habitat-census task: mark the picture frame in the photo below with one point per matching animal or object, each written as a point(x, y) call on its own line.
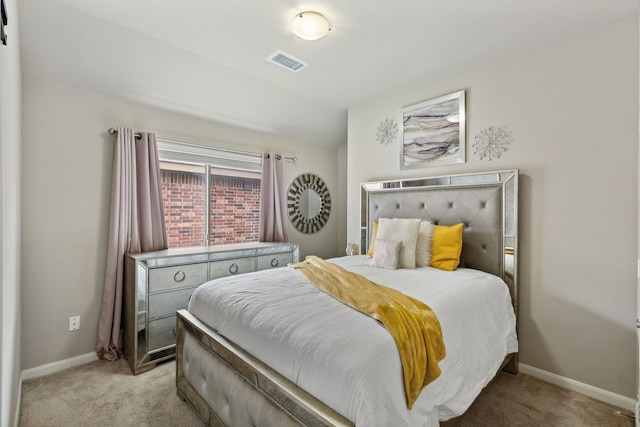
point(433, 132)
point(3, 23)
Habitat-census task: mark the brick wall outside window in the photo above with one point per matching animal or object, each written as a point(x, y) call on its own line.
point(235, 210)
point(235, 206)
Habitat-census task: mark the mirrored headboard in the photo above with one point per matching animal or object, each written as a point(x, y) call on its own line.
point(486, 203)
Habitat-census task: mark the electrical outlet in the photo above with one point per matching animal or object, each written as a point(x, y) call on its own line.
point(74, 323)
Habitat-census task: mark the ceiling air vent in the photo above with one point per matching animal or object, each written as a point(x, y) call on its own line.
point(287, 61)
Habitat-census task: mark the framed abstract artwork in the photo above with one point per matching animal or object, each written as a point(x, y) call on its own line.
point(3, 22)
point(433, 132)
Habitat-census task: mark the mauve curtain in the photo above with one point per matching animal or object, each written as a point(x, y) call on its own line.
point(136, 225)
point(273, 204)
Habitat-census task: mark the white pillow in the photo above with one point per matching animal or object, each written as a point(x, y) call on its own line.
point(387, 254)
point(423, 244)
point(405, 230)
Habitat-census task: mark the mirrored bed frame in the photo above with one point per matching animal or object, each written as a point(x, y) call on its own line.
point(487, 205)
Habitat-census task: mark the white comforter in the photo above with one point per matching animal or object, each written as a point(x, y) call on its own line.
point(350, 361)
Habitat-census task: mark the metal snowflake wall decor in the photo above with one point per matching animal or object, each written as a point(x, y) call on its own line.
point(491, 142)
point(387, 132)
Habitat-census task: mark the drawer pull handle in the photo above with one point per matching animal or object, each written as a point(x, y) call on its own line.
point(275, 262)
point(179, 276)
point(233, 269)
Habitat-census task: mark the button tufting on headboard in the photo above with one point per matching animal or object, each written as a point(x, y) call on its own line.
point(479, 208)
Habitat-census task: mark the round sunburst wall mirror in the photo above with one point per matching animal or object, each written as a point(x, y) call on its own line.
point(308, 203)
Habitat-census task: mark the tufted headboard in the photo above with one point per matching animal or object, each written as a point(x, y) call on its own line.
point(486, 203)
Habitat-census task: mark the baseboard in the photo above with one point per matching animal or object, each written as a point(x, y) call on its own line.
point(51, 368)
point(586, 389)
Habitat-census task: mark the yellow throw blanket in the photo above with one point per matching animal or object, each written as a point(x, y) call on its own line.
point(413, 325)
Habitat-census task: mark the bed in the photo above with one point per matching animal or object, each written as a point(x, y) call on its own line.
point(243, 360)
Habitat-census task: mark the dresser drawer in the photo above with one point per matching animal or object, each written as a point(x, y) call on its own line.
point(274, 260)
point(230, 267)
point(162, 332)
point(168, 302)
point(165, 278)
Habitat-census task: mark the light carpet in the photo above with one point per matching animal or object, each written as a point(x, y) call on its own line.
point(106, 393)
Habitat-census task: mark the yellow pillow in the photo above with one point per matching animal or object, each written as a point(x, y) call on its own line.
point(446, 247)
point(373, 238)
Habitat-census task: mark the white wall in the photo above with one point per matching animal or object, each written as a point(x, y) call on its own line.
point(67, 178)
point(572, 109)
point(341, 197)
point(10, 147)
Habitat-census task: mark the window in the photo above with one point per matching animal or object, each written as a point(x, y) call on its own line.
point(222, 209)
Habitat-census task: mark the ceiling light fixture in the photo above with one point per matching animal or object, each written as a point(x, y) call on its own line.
point(310, 25)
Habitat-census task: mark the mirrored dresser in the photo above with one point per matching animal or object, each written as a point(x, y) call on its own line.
point(159, 283)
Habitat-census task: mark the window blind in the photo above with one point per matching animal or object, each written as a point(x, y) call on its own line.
point(174, 151)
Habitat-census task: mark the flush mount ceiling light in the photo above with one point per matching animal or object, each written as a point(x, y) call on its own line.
point(310, 25)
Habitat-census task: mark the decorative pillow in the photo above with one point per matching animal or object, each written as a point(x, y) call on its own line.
point(387, 254)
point(373, 238)
point(423, 244)
point(446, 247)
point(405, 230)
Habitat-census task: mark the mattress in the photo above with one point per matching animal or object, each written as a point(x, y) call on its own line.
point(350, 361)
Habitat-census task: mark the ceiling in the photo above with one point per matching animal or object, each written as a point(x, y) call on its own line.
point(206, 58)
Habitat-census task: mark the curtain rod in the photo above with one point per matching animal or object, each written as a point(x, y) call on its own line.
point(294, 159)
point(112, 131)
